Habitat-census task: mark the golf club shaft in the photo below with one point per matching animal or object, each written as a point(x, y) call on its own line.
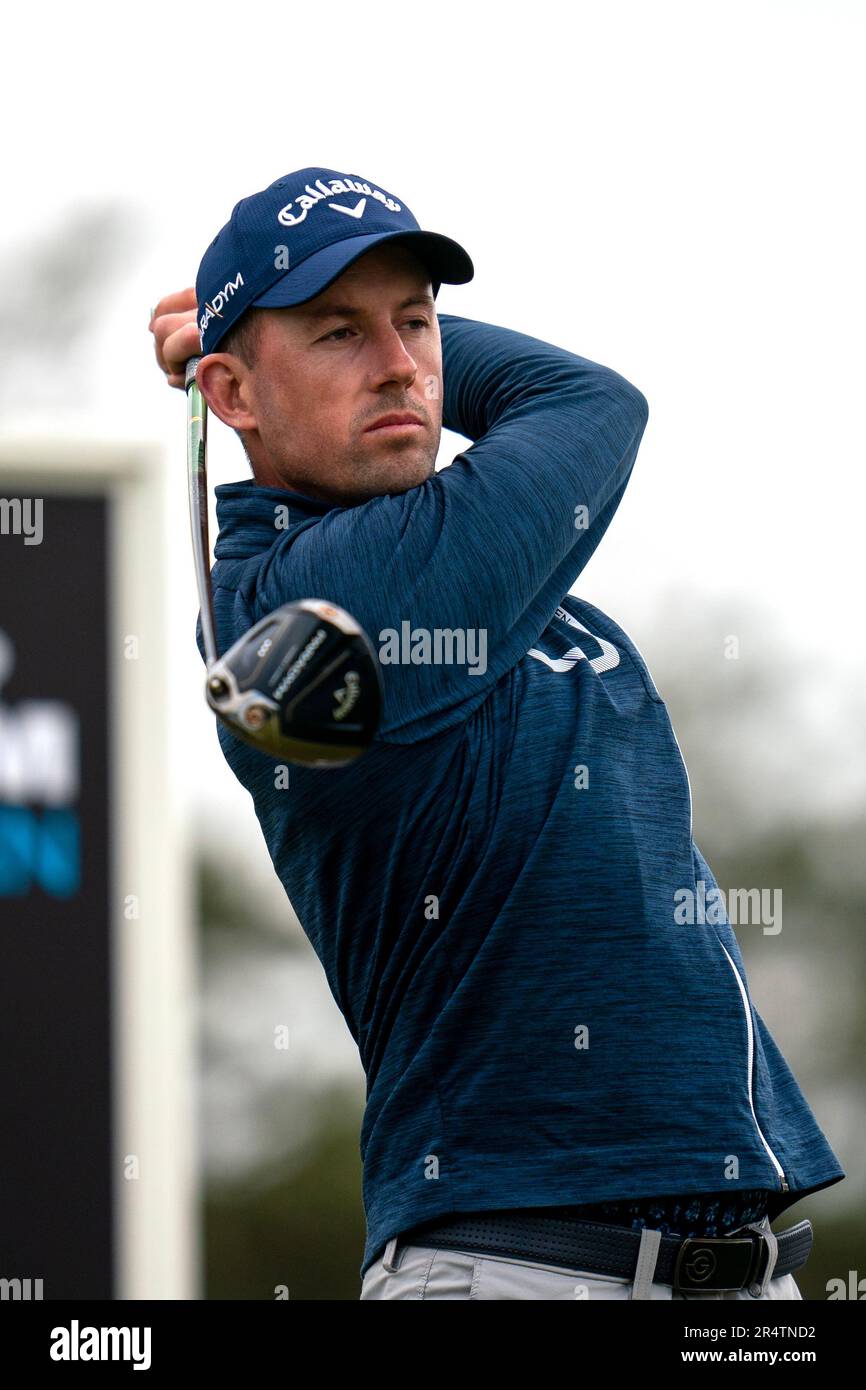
point(196, 455)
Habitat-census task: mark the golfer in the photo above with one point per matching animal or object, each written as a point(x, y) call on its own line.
point(570, 1093)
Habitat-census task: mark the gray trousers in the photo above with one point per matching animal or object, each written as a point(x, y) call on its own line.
point(418, 1271)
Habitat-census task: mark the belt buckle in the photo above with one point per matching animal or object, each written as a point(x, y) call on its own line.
point(708, 1264)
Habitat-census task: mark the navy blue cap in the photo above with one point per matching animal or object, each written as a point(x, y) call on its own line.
point(284, 245)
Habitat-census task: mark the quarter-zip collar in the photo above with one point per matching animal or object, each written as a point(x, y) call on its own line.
point(246, 516)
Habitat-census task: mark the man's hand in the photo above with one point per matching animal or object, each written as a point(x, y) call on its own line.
point(175, 333)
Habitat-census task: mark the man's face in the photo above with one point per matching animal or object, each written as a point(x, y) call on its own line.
point(326, 371)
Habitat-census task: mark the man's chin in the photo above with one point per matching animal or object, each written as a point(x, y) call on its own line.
point(400, 475)
point(413, 478)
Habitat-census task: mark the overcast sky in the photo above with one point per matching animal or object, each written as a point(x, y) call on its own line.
point(672, 189)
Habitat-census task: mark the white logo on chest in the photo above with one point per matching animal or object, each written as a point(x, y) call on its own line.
point(606, 661)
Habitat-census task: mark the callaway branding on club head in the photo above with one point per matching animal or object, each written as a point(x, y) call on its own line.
point(304, 684)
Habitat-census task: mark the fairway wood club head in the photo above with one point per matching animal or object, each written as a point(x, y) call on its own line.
point(303, 685)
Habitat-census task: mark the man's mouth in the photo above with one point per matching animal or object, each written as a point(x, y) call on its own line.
point(391, 424)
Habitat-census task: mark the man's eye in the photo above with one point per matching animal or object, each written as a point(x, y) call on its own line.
point(421, 324)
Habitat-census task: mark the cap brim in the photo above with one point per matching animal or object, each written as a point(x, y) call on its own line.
point(446, 260)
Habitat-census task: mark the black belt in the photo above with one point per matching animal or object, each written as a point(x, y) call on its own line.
point(715, 1264)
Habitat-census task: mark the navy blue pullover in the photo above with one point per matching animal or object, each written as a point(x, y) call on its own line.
point(496, 889)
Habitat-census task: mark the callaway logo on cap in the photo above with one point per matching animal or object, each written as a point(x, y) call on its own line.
point(284, 245)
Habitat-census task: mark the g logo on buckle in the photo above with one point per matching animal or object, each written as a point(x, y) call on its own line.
point(700, 1265)
point(719, 1263)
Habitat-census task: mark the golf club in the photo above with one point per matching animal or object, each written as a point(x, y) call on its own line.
point(304, 683)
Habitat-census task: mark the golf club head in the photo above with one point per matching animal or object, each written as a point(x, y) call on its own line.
point(303, 685)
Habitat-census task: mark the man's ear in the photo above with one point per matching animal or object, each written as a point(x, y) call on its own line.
point(224, 381)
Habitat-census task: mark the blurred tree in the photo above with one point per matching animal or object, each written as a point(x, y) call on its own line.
point(54, 292)
point(303, 1228)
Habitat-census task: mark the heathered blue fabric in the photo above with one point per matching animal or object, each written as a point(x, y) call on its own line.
point(471, 906)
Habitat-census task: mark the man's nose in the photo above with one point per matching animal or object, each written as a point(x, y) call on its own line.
point(390, 358)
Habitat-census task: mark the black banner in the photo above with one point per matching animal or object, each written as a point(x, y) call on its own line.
point(56, 826)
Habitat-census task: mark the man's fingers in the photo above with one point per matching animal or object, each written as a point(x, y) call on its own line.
point(176, 339)
point(179, 347)
point(175, 334)
point(166, 324)
point(179, 302)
